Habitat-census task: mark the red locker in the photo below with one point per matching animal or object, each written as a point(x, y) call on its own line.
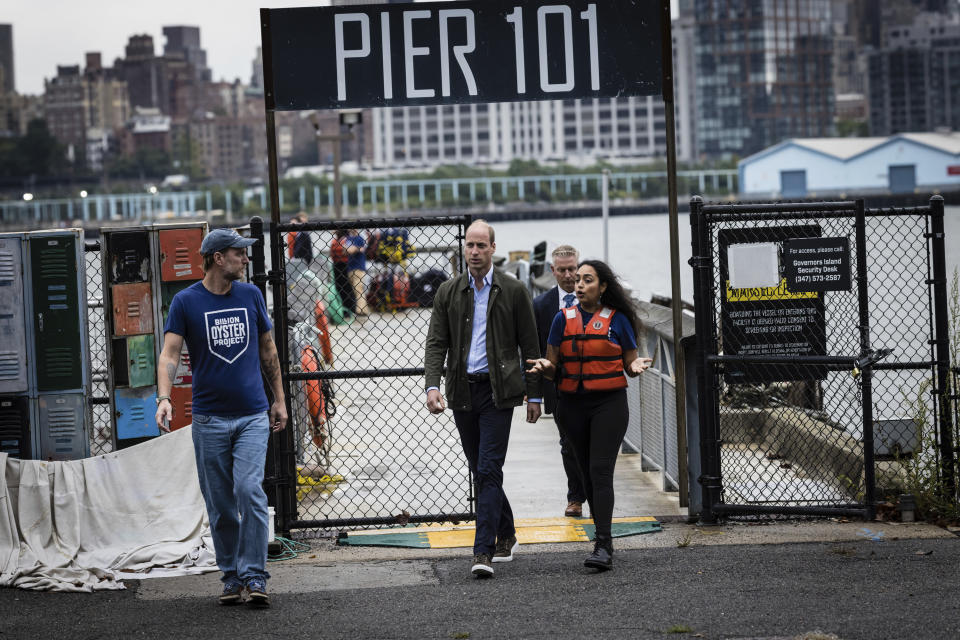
point(180, 254)
point(181, 399)
point(132, 309)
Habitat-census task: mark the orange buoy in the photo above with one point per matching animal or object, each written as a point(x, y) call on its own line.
point(320, 319)
point(315, 402)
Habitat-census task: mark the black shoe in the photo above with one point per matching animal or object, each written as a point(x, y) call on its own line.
point(482, 566)
point(505, 549)
point(602, 557)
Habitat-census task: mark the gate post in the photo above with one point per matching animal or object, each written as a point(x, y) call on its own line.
point(276, 482)
point(702, 264)
point(866, 378)
point(941, 324)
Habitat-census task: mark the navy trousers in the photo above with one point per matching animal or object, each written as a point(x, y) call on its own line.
point(484, 433)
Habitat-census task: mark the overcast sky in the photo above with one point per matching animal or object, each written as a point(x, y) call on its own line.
point(51, 32)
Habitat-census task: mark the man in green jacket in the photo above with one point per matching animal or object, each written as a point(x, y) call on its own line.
point(483, 330)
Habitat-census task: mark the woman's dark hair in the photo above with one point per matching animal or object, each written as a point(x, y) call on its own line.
point(614, 296)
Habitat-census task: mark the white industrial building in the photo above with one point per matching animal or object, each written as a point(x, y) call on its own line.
point(813, 167)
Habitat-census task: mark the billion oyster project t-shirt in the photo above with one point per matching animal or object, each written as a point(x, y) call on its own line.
point(223, 333)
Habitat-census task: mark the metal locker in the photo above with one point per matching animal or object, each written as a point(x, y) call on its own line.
point(167, 291)
point(15, 427)
point(180, 254)
point(141, 361)
point(13, 330)
point(57, 312)
point(135, 411)
point(120, 368)
point(60, 427)
point(181, 399)
point(132, 309)
point(184, 373)
point(128, 254)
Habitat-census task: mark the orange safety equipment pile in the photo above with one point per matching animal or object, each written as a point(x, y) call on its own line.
point(588, 356)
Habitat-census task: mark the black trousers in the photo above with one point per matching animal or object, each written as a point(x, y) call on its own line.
point(341, 279)
point(593, 424)
point(484, 434)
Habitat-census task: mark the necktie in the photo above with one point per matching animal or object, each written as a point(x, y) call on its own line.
point(568, 300)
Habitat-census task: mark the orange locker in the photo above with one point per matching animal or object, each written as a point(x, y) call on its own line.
point(180, 254)
point(181, 399)
point(132, 309)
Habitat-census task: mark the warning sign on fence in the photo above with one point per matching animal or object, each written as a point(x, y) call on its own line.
point(770, 321)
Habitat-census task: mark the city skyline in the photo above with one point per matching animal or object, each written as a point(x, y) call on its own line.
point(229, 31)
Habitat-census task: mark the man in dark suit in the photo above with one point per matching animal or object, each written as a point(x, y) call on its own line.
point(545, 308)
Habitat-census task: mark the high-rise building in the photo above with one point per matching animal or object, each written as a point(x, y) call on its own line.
point(184, 42)
point(256, 77)
point(763, 73)
point(64, 103)
point(7, 84)
point(915, 79)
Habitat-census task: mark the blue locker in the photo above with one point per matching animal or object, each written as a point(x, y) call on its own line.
point(135, 411)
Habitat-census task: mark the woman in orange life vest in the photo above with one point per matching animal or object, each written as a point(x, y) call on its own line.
point(590, 348)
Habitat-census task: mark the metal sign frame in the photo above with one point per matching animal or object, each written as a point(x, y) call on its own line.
point(282, 442)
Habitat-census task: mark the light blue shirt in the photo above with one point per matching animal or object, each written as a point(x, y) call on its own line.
point(477, 358)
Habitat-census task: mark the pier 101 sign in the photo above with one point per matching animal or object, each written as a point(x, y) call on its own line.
point(460, 52)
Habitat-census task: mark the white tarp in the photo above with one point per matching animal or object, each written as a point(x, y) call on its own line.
point(79, 525)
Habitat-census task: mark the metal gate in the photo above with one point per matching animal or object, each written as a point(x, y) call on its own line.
point(361, 448)
point(812, 390)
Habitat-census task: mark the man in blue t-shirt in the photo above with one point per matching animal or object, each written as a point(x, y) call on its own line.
point(227, 331)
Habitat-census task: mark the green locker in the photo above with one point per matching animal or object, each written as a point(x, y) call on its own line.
point(56, 312)
point(141, 362)
point(167, 291)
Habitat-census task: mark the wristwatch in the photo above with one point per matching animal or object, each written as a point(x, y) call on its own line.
point(161, 399)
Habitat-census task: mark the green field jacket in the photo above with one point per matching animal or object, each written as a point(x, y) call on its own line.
point(511, 339)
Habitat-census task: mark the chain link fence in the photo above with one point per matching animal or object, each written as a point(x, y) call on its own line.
point(100, 433)
point(359, 298)
point(818, 345)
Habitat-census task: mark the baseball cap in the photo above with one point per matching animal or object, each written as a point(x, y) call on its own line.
point(220, 239)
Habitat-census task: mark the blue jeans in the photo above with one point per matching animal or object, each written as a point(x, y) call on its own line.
point(231, 454)
point(484, 434)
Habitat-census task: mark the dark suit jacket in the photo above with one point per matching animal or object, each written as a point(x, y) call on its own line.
point(545, 308)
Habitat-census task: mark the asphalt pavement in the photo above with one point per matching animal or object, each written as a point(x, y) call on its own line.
point(786, 580)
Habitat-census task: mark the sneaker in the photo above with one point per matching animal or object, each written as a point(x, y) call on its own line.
point(232, 592)
point(257, 593)
point(482, 566)
point(505, 549)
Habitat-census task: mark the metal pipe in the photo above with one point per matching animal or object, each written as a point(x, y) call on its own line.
point(703, 318)
point(866, 379)
point(942, 342)
point(680, 381)
point(359, 522)
point(854, 511)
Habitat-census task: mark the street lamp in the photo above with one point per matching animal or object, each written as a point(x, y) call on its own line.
point(83, 193)
point(153, 189)
point(27, 197)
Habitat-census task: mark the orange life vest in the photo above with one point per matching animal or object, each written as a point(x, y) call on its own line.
point(338, 250)
point(291, 240)
point(589, 356)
